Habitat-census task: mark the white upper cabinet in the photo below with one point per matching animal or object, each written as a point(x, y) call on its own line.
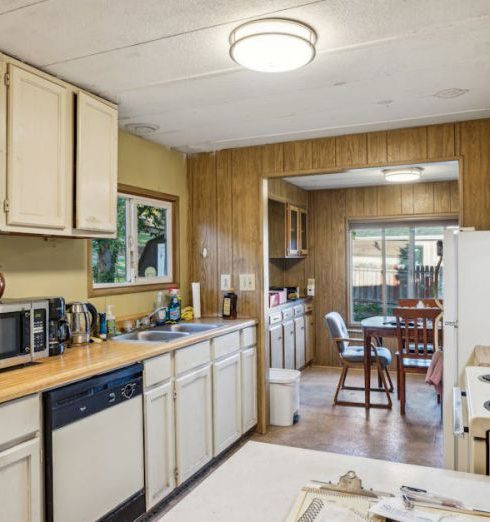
point(37, 172)
point(96, 170)
point(58, 156)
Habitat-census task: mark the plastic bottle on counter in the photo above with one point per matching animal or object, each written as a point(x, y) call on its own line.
point(111, 321)
point(230, 305)
point(174, 308)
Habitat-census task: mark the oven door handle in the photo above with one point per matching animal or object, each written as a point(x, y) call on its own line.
point(458, 424)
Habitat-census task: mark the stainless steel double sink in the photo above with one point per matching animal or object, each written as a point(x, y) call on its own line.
point(167, 333)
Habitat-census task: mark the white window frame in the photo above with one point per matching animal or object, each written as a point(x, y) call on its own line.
point(133, 279)
point(383, 223)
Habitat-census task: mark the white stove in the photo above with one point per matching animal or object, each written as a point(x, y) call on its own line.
point(477, 379)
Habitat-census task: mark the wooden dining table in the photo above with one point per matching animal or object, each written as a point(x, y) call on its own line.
point(377, 327)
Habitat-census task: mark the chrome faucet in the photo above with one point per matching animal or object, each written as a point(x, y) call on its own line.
point(146, 320)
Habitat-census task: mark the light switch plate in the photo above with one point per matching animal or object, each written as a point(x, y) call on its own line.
point(225, 282)
point(247, 282)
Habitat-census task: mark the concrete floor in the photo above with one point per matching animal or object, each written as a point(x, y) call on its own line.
point(380, 434)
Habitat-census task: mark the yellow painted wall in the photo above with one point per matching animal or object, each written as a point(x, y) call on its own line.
point(35, 266)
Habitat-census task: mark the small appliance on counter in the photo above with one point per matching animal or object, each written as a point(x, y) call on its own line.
point(277, 295)
point(59, 329)
point(82, 320)
point(23, 331)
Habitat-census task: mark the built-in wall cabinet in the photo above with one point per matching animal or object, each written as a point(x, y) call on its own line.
point(291, 338)
point(58, 156)
point(288, 230)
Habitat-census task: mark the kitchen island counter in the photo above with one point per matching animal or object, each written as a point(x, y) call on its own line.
point(261, 482)
point(82, 362)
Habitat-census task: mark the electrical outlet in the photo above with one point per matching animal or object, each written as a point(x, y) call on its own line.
point(251, 282)
point(247, 282)
point(225, 282)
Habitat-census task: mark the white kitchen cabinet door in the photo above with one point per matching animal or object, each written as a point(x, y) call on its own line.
point(20, 483)
point(193, 422)
point(227, 402)
point(96, 178)
point(38, 176)
point(249, 388)
point(159, 443)
point(288, 335)
point(310, 338)
point(299, 338)
point(276, 346)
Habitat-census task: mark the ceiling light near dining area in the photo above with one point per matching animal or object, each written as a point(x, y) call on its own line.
point(273, 45)
point(403, 175)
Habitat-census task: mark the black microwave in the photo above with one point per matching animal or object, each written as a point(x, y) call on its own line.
point(23, 331)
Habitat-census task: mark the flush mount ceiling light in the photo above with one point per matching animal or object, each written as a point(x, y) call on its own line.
point(403, 175)
point(141, 129)
point(273, 45)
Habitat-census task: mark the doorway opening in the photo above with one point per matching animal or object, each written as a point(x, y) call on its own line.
point(354, 243)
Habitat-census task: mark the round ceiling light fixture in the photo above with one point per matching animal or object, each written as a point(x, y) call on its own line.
point(142, 129)
point(273, 45)
point(403, 175)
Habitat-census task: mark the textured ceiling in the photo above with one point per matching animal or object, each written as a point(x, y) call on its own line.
point(166, 62)
point(443, 171)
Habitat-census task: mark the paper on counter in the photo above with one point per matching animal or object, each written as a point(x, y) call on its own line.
point(394, 509)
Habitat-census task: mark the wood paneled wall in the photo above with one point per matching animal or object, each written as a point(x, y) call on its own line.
point(226, 194)
point(331, 210)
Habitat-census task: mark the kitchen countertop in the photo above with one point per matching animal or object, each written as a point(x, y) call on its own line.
point(261, 482)
point(85, 361)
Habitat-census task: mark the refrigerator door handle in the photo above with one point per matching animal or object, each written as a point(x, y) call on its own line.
point(458, 424)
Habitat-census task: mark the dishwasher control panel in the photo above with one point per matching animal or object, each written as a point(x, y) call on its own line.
point(76, 401)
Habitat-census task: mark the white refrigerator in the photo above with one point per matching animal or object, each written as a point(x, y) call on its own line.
point(466, 322)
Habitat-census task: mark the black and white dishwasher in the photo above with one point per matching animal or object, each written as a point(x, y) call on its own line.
point(94, 449)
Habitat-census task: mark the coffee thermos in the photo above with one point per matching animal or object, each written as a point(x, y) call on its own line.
point(59, 329)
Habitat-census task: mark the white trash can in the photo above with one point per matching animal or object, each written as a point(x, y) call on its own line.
point(284, 396)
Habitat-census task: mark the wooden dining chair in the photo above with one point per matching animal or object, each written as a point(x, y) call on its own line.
point(429, 302)
point(417, 340)
point(351, 353)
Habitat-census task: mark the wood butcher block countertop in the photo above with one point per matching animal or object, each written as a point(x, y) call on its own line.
point(85, 361)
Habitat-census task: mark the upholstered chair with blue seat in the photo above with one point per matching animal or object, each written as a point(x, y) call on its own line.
point(351, 353)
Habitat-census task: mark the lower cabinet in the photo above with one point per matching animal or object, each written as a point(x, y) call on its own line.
point(193, 421)
point(276, 346)
point(249, 388)
point(159, 442)
point(309, 337)
point(227, 402)
point(299, 338)
point(20, 482)
point(289, 338)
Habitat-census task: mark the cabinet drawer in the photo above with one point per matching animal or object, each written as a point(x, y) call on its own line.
point(192, 357)
point(287, 314)
point(19, 418)
point(248, 337)
point(298, 310)
point(275, 317)
point(225, 344)
point(157, 369)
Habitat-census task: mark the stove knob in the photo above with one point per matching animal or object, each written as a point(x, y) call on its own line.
point(128, 391)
